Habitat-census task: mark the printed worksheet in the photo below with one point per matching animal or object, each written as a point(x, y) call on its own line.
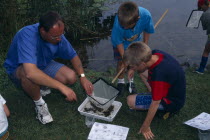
point(101, 131)
point(201, 121)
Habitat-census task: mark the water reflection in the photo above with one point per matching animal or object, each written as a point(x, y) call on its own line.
point(82, 20)
point(171, 35)
point(89, 23)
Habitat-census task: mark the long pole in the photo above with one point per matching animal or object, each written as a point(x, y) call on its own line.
point(157, 23)
point(161, 18)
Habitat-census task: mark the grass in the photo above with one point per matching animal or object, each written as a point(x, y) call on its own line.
point(70, 125)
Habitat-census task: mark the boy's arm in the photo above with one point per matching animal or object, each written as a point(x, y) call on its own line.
point(120, 48)
point(146, 37)
point(145, 128)
point(144, 77)
point(6, 110)
point(204, 22)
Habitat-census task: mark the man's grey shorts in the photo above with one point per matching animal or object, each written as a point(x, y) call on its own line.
point(51, 69)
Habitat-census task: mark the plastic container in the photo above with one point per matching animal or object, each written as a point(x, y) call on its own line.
point(89, 121)
point(204, 134)
point(117, 105)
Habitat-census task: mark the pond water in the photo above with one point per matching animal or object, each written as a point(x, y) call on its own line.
point(87, 19)
point(171, 35)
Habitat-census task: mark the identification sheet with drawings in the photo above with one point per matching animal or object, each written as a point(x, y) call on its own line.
point(202, 121)
point(194, 19)
point(102, 131)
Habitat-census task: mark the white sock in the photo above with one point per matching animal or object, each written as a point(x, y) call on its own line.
point(131, 80)
point(39, 102)
point(121, 80)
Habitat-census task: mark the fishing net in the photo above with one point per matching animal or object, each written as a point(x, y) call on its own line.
point(104, 94)
point(194, 19)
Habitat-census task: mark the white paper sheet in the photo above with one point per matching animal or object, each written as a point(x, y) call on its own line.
point(101, 131)
point(201, 121)
point(194, 19)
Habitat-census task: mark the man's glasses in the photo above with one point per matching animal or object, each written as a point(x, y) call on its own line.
point(57, 37)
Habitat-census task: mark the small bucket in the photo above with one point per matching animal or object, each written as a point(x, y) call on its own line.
point(89, 121)
point(204, 134)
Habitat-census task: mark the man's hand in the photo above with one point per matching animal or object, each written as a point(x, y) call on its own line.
point(87, 85)
point(146, 132)
point(69, 93)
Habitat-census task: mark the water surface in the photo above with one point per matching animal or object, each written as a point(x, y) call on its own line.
point(171, 35)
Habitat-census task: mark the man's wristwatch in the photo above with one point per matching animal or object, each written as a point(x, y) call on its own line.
point(82, 75)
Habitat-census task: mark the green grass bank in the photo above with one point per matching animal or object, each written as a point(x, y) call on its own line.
point(68, 124)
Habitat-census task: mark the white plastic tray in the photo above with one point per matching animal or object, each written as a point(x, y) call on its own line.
point(117, 105)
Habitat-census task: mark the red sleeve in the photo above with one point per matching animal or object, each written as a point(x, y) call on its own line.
point(159, 89)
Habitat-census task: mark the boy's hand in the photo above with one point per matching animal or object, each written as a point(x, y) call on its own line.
point(130, 74)
point(146, 132)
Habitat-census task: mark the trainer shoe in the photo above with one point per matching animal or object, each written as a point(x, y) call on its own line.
point(45, 91)
point(121, 88)
point(199, 72)
point(133, 87)
point(43, 114)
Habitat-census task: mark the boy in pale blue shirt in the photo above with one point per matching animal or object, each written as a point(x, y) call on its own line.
point(129, 23)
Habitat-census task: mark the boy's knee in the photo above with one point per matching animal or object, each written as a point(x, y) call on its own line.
point(131, 101)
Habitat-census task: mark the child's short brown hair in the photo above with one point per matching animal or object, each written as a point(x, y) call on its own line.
point(136, 53)
point(128, 13)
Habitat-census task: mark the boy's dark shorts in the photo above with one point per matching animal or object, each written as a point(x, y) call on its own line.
point(117, 55)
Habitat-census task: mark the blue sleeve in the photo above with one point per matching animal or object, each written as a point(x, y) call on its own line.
point(117, 33)
point(26, 47)
point(66, 51)
point(149, 26)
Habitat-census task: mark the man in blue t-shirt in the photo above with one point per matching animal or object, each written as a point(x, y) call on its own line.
point(30, 62)
point(166, 78)
point(129, 23)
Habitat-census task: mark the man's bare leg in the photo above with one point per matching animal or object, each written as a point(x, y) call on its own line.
point(33, 90)
point(66, 76)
